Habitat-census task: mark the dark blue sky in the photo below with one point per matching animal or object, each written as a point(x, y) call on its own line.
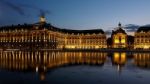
point(77, 14)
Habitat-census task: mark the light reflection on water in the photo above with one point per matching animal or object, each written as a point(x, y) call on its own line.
point(73, 67)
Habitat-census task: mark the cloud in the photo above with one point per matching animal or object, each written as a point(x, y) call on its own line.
point(41, 11)
point(21, 8)
point(131, 27)
point(14, 7)
point(108, 32)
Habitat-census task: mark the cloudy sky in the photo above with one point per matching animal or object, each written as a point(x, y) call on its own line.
point(76, 14)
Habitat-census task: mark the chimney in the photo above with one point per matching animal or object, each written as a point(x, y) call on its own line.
point(42, 19)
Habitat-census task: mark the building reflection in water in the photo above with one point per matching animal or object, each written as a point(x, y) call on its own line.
point(142, 60)
point(43, 61)
point(119, 59)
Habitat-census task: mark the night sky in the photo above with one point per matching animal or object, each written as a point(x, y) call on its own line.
point(76, 14)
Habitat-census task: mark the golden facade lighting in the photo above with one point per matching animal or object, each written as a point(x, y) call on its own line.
point(45, 36)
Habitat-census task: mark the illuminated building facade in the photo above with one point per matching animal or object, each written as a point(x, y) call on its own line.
point(42, 35)
point(142, 38)
point(119, 38)
point(45, 36)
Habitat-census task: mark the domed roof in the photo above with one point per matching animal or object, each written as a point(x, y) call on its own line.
point(119, 30)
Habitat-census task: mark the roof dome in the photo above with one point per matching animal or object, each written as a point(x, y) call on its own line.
point(119, 29)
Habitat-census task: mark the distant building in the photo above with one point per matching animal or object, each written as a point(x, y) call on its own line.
point(142, 38)
point(45, 36)
point(119, 38)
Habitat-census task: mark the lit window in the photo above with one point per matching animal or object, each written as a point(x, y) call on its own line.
point(116, 41)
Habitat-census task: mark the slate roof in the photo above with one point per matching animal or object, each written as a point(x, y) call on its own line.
point(144, 29)
point(50, 27)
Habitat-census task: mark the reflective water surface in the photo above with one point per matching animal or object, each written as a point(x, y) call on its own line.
point(74, 67)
